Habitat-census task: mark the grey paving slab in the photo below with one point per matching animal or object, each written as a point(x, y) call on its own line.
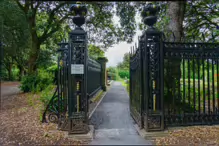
point(112, 121)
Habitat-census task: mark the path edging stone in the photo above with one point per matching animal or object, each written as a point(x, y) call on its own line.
point(82, 137)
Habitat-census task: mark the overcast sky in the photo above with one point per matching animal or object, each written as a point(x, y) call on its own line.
point(115, 53)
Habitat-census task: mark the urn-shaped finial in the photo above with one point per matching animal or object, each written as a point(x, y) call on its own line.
point(79, 12)
point(149, 14)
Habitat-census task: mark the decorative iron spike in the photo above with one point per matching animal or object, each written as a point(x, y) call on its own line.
point(167, 36)
point(203, 36)
point(131, 50)
point(213, 36)
point(174, 38)
point(139, 41)
point(135, 48)
point(65, 36)
point(164, 37)
point(193, 37)
point(182, 37)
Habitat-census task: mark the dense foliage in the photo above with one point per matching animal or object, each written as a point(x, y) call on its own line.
point(36, 82)
point(30, 31)
point(123, 67)
point(112, 73)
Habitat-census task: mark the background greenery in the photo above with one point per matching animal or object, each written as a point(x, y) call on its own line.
point(31, 30)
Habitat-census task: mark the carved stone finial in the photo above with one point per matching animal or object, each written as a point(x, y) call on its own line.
point(149, 14)
point(79, 12)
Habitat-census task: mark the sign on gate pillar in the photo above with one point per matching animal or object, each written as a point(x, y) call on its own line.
point(77, 83)
point(153, 65)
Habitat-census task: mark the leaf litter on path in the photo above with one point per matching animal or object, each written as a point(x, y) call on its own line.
point(193, 135)
point(20, 124)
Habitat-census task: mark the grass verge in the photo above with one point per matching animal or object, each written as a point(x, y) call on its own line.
point(98, 96)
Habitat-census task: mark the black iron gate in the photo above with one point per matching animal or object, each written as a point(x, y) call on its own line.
point(172, 83)
point(78, 79)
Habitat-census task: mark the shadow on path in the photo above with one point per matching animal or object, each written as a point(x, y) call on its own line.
point(112, 121)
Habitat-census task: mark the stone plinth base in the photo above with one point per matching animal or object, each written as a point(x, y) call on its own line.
point(85, 137)
point(150, 135)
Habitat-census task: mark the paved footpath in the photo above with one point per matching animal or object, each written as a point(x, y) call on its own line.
point(112, 120)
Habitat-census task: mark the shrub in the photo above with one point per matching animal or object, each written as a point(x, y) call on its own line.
point(35, 83)
point(53, 68)
point(113, 76)
point(28, 83)
point(47, 94)
point(4, 74)
point(44, 79)
point(15, 74)
point(124, 74)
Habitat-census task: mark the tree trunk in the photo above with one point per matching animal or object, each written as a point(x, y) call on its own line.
point(21, 72)
point(32, 66)
point(9, 68)
point(175, 11)
point(34, 54)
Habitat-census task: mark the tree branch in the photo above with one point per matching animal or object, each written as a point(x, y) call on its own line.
point(205, 17)
point(45, 36)
point(35, 9)
point(51, 17)
point(19, 4)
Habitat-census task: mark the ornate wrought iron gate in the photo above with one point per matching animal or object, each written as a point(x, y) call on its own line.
point(69, 104)
point(172, 83)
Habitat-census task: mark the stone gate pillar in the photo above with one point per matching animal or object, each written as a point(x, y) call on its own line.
point(103, 61)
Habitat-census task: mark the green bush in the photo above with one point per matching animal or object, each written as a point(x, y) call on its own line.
point(47, 94)
point(15, 74)
point(4, 74)
point(35, 83)
point(123, 74)
point(113, 76)
point(53, 68)
point(28, 83)
point(113, 73)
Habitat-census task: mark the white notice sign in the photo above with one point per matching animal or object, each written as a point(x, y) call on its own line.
point(77, 69)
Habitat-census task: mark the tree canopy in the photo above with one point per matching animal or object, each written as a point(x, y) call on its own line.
point(31, 29)
point(124, 65)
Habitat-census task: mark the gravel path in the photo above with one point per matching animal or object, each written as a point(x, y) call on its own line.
point(9, 89)
point(112, 121)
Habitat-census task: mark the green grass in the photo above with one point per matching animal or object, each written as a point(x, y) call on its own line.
point(124, 84)
point(98, 96)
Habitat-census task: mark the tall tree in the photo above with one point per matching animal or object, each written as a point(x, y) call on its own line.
point(94, 52)
point(124, 65)
point(99, 23)
point(175, 11)
point(14, 35)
